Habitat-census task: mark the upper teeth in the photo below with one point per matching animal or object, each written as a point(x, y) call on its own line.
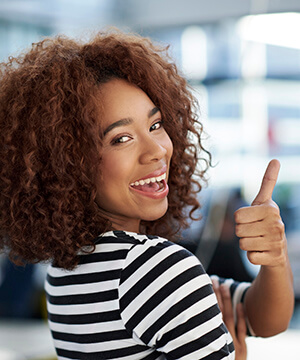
point(149, 180)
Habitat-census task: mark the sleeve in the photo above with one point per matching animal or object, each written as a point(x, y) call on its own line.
point(167, 302)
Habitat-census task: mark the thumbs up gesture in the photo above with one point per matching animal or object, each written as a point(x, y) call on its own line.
point(259, 226)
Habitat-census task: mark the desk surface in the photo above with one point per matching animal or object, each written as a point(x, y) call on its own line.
point(25, 340)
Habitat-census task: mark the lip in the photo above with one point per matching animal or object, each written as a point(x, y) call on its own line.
point(155, 173)
point(156, 195)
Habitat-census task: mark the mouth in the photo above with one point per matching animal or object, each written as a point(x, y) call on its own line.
point(152, 184)
point(154, 187)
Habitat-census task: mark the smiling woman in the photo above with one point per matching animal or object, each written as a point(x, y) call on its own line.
point(97, 170)
point(135, 157)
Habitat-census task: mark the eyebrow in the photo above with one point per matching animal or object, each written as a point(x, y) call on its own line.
point(128, 121)
point(153, 112)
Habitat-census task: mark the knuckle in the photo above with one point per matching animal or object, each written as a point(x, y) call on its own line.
point(281, 226)
point(282, 246)
point(278, 227)
point(273, 209)
point(237, 216)
point(238, 230)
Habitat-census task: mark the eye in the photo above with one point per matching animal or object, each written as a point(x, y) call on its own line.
point(121, 139)
point(157, 125)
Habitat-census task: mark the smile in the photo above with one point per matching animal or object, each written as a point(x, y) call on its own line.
point(150, 180)
point(153, 187)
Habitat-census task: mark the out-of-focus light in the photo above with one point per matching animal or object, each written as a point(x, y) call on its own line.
point(274, 29)
point(194, 52)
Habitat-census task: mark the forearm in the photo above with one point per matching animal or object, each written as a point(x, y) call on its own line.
point(269, 302)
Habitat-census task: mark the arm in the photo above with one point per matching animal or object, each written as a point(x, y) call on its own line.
point(269, 302)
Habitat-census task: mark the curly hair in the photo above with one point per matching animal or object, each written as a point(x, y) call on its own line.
point(50, 142)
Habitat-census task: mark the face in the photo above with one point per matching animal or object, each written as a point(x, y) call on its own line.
point(132, 182)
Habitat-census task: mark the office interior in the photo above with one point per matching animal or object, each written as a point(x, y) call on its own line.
point(242, 59)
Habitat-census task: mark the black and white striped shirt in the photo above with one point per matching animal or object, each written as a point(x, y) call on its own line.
point(137, 297)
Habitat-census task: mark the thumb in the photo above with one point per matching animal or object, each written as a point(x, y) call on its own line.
point(268, 183)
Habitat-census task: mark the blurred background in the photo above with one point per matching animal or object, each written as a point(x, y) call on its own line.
point(243, 60)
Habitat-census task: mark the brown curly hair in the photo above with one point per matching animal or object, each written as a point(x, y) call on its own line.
point(50, 142)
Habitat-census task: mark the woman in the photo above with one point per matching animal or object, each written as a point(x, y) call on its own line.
point(99, 162)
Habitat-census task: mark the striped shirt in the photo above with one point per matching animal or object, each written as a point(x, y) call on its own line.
point(137, 297)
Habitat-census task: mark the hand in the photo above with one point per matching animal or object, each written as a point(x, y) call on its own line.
point(259, 226)
point(238, 332)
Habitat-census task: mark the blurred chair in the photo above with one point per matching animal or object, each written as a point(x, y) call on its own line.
point(213, 240)
point(17, 290)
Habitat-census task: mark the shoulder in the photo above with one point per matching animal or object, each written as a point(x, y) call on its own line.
point(155, 268)
point(157, 254)
point(142, 248)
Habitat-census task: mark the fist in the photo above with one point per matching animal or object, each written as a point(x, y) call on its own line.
point(260, 227)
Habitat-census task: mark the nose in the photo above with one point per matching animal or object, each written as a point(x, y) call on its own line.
point(152, 149)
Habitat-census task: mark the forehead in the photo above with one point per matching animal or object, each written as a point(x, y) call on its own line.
point(119, 99)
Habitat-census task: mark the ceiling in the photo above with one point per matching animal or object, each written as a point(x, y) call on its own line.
point(138, 15)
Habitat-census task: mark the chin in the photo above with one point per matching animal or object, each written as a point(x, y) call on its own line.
point(155, 216)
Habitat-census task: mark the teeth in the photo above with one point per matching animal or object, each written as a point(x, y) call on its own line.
point(152, 180)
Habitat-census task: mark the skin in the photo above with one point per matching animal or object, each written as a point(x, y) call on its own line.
point(269, 303)
point(133, 148)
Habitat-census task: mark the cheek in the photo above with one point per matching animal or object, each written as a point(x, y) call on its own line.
point(111, 168)
point(115, 168)
point(109, 181)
